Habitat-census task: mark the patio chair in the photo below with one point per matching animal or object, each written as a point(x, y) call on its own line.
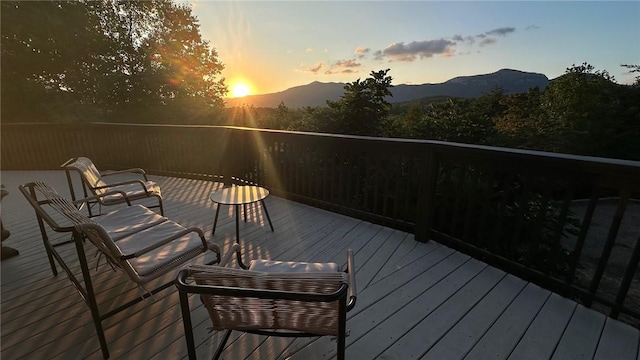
point(95, 183)
point(273, 298)
point(133, 239)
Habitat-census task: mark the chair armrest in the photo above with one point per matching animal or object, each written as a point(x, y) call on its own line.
point(351, 270)
point(184, 286)
point(166, 241)
point(68, 162)
point(235, 249)
point(126, 171)
point(42, 215)
point(127, 182)
point(97, 197)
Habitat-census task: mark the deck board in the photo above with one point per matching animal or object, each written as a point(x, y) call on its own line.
point(415, 300)
point(430, 329)
point(615, 340)
point(581, 336)
point(504, 335)
point(542, 336)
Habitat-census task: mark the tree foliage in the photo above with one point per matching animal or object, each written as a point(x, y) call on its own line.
point(111, 60)
point(632, 70)
point(363, 107)
point(591, 114)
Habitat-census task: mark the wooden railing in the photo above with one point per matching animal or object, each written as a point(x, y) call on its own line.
point(562, 221)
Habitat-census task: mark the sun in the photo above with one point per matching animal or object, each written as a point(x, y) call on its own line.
point(240, 90)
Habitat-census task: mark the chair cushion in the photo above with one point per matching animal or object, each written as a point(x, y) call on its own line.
point(133, 191)
point(272, 266)
point(177, 251)
point(128, 220)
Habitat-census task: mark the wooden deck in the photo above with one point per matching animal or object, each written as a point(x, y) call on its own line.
point(415, 300)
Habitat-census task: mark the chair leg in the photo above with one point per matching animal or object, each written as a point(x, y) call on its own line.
point(264, 206)
point(223, 342)
point(215, 220)
point(47, 246)
point(188, 327)
point(91, 297)
point(84, 188)
point(160, 205)
point(237, 210)
point(342, 328)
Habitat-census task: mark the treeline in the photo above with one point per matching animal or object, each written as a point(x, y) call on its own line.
point(582, 112)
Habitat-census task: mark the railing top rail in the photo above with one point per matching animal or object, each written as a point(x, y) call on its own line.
point(439, 147)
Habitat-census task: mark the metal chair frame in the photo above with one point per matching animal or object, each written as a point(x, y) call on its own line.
point(70, 212)
point(94, 193)
point(345, 296)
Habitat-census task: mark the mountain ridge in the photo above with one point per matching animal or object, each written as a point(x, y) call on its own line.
point(317, 93)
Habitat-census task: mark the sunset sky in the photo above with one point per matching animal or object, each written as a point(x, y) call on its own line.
point(271, 46)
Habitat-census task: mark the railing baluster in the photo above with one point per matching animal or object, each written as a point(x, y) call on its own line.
point(428, 177)
point(582, 235)
point(626, 280)
point(457, 199)
point(497, 241)
point(521, 202)
point(445, 189)
point(608, 245)
point(561, 220)
point(534, 244)
point(486, 202)
point(472, 193)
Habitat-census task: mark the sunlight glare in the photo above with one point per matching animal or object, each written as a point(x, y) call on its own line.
point(240, 90)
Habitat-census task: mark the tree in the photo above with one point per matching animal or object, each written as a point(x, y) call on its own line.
point(167, 68)
point(44, 44)
point(592, 114)
point(109, 57)
point(633, 69)
point(456, 120)
point(525, 124)
point(363, 105)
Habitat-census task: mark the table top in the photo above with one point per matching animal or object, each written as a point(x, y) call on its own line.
point(239, 195)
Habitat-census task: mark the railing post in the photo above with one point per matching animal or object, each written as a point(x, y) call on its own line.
point(427, 178)
point(230, 158)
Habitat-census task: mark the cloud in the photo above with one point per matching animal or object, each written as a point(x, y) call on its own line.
point(361, 52)
point(488, 41)
point(463, 39)
point(415, 49)
point(349, 66)
point(316, 68)
point(503, 31)
point(309, 50)
point(347, 63)
point(532, 27)
point(344, 67)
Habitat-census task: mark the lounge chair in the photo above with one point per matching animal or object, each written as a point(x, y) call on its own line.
point(134, 239)
point(271, 298)
point(95, 183)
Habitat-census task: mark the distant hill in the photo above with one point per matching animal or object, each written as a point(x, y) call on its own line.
point(317, 93)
